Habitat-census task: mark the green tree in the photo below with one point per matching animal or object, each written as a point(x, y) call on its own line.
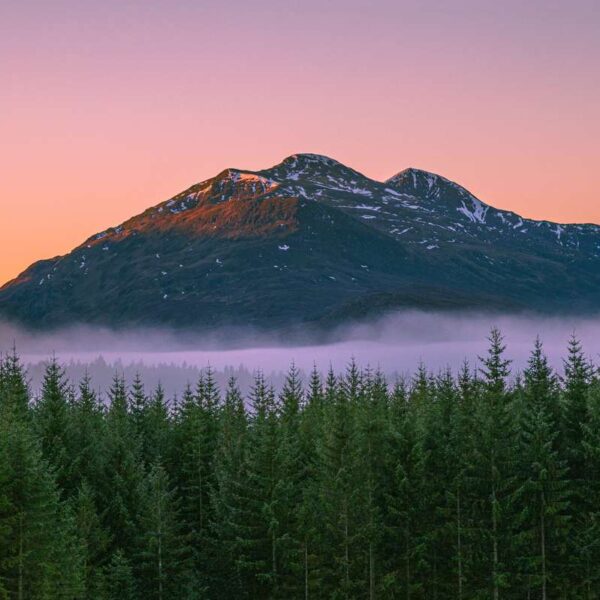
point(288, 492)
point(197, 435)
point(163, 559)
point(343, 573)
point(227, 497)
point(587, 559)
point(491, 473)
point(118, 494)
point(14, 388)
point(85, 437)
point(576, 382)
point(52, 423)
point(403, 545)
point(541, 498)
point(157, 429)
point(120, 582)
point(38, 553)
point(93, 541)
point(256, 522)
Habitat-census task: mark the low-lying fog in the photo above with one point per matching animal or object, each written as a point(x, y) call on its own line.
point(396, 344)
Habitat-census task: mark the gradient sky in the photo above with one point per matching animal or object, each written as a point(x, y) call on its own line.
point(110, 106)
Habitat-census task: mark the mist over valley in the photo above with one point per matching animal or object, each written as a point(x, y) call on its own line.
point(396, 344)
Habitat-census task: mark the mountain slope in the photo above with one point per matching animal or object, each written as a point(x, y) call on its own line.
point(310, 241)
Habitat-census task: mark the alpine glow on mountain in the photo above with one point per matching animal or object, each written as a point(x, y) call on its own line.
point(310, 241)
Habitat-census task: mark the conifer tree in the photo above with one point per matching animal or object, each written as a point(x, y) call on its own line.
point(118, 497)
point(157, 434)
point(163, 557)
point(576, 381)
point(86, 434)
point(314, 395)
point(459, 450)
point(343, 566)
point(586, 561)
point(374, 442)
point(331, 387)
point(442, 475)
point(403, 548)
point(258, 529)
point(138, 409)
point(288, 489)
point(227, 495)
point(52, 423)
point(120, 582)
point(14, 388)
point(491, 470)
point(93, 541)
point(541, 497)
point(310, 436)
point(38, 555)
point(197, 440)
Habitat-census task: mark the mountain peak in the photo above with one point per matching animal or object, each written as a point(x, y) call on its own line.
point(243, 177)
point(313, 168)
point(425, 184)
point(307, 158)
point(306, 164)
point(232, 183)
point(417, 179)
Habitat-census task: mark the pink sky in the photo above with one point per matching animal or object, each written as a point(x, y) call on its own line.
point(109, 107)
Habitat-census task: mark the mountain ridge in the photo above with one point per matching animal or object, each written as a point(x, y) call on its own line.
point(310, 240)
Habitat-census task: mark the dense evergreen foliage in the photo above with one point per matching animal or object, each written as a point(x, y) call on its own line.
point(483, 484)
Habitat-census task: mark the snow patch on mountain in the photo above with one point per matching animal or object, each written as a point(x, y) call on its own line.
point(477, 213)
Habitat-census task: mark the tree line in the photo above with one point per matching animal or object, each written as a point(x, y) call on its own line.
point(479, 484)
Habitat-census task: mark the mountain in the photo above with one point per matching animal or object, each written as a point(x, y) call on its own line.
point(310, 241)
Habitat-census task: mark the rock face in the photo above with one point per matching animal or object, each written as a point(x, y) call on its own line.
point(310, 241)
